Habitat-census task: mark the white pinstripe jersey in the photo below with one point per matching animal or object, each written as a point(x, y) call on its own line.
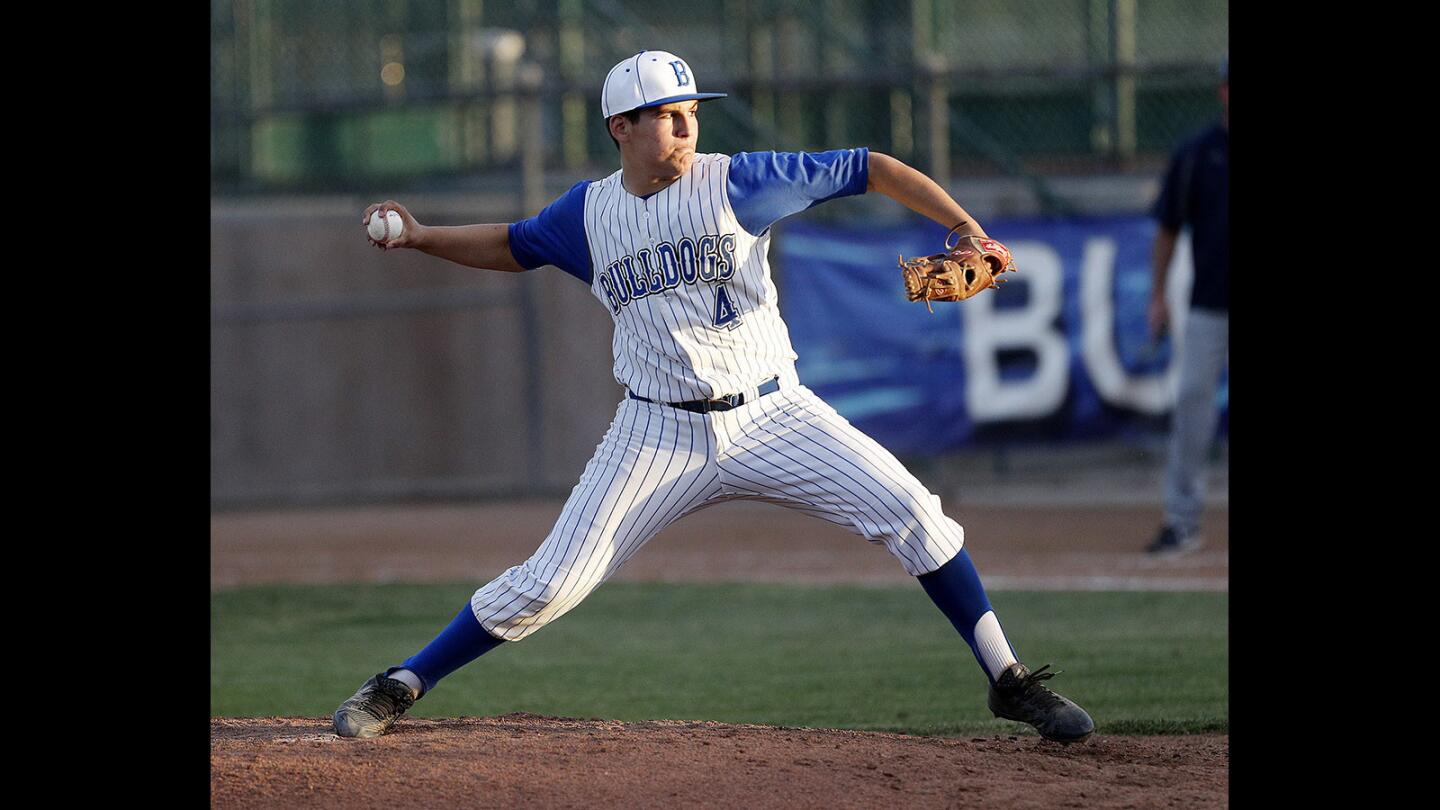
point(695, 309)
point(684, 271)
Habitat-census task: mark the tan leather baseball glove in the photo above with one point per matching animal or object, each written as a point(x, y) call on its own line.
point(973, 264)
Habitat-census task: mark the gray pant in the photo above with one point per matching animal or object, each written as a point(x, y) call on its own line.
point(1205, 349)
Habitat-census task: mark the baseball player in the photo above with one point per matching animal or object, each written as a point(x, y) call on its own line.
point(674, 245)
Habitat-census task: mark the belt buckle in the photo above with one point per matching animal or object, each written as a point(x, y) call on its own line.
point(721, 404)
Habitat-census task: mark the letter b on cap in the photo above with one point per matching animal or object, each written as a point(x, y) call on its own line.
point(682, 76)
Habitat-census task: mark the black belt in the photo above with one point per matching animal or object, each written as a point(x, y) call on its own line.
point(721, 404)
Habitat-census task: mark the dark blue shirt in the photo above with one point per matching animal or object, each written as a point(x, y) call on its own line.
point(1196, 192)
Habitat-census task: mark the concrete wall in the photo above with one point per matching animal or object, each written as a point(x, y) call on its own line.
point(340, 372)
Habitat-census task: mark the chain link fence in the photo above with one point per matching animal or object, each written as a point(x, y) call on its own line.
point(317, 96)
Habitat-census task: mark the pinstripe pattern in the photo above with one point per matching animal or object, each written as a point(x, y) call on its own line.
point(666, 345)
point(657, 464)
point(793, 449)
point(654, 463)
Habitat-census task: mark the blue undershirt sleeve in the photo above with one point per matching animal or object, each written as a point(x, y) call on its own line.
point(555, 236)
point(765, 187)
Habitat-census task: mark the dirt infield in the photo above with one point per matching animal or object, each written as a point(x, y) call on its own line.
point(1015, 547)
point(522, 760)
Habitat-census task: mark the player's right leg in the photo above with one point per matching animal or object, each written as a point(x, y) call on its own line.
point(654, 465)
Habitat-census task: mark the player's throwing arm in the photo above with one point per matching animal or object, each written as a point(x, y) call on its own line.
point(485, 247)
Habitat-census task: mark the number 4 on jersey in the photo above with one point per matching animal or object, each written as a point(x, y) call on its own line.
point(725, 314)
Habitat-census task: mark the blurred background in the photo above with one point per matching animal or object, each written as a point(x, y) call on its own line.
point(342, 374)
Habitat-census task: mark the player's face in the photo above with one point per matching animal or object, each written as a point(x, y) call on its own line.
point(665, 136)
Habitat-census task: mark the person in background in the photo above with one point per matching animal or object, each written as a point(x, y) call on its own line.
point(1195, 193)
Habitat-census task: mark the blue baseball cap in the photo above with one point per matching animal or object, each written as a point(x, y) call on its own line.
point(649, 79)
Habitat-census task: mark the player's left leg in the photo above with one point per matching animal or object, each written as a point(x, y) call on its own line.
point(792, 448)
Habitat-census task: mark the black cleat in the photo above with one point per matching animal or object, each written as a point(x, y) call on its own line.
point(371, 711)
point(1019, 695)
point(1174, 541)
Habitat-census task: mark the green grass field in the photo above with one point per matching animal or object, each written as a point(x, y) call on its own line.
point(825, 656)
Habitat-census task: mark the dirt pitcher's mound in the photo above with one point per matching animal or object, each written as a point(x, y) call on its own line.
point(523, 760)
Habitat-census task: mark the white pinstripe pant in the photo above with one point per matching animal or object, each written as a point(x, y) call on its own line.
point(657, 464)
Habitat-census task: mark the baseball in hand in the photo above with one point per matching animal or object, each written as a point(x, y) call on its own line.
point(377, 225)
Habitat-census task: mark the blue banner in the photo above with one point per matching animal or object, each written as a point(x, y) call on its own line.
point(1060, 352)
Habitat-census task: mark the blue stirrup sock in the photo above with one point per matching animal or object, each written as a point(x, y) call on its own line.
point(458, 644)
point(955, 588)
